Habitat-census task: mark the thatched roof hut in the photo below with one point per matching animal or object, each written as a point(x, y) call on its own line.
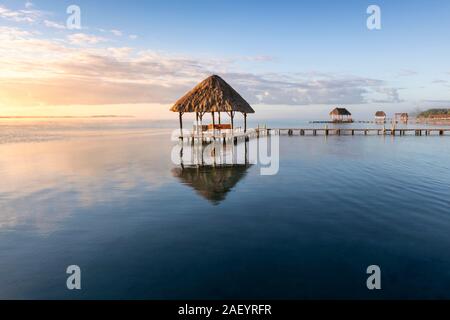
point(341, 115)
point(403, 116)
point(212, 95)
point(380, 114)
point(340, 112)
point(212, 183)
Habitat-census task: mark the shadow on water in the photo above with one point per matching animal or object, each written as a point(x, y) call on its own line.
point(212, 183)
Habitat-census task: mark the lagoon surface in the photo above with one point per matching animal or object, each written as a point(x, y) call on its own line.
point(106, 196)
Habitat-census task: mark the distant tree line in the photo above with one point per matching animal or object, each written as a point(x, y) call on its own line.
point(434, 112)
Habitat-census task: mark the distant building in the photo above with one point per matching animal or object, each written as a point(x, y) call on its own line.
point(341, 115)
point(404, 117)
point(380, 116)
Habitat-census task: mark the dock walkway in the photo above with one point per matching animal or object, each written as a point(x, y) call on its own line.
point(238, 135)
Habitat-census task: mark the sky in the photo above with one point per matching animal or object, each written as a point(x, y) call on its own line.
point(138, 57)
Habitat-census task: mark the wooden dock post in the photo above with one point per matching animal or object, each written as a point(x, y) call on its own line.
point(441, 132)
point(290, 132)
point(302, 132)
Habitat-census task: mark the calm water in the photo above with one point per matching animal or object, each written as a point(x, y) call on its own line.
point(106, 197)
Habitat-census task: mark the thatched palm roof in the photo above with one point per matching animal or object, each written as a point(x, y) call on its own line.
point(212, 95)
point(212, 183)
point(340, 112)
point(380, 114)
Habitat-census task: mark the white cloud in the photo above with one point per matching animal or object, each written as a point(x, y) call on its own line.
point(133, 36)
point(407, 73)
point(52, 72)
point(29, 5)
point(29, 15)
point(55, 25)
point(82, 39)
point(117, 33)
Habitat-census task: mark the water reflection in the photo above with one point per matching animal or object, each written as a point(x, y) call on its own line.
point(214, 154)
point(212, 169)
point(212, 182)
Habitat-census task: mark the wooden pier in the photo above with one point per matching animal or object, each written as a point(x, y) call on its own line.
point(239, 136)
point(363, 132)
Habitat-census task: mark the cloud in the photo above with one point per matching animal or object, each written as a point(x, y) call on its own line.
point(445, 102)
point(391, 95)
point(82, 39)
point(133, 36)
point(117, 33)
point(51, 72)
point(27, 15)
point(55, 25)
point(29, 5)
point(407, 73)
point(440, 81)
point(311, 88)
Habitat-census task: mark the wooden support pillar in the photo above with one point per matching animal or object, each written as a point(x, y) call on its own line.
point(232, 120)
point(441, 132)
point(196, 123)
point(290, 132)
point(181, 125)
point(245, 122)
point(219, 119)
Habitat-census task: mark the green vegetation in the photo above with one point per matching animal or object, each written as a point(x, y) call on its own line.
point(434, 112)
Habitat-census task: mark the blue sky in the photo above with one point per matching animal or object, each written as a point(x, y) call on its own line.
point(305, 53)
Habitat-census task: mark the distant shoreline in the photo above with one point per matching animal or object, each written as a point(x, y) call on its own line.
point(64, 117)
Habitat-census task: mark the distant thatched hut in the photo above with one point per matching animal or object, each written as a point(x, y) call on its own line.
point(404, 117)
point(341, 115)
point(213, 95)
point(380, 116)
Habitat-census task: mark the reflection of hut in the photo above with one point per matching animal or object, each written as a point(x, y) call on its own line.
point(214, 96)
point(341, 115)
point(212, 183)
point(380, 116)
